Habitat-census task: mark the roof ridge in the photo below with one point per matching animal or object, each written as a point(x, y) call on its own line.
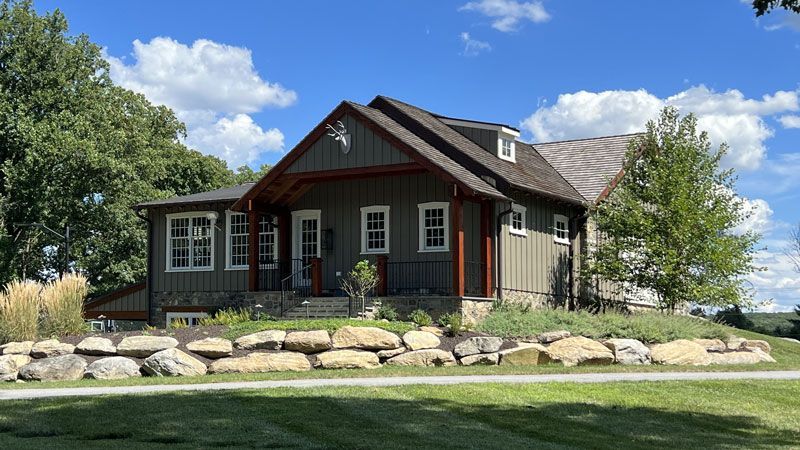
point(585, 139)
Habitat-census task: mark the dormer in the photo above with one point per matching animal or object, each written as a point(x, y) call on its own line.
point(495, 138)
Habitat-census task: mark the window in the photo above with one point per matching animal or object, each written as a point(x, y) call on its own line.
point(190, 241)
point(506, 148)
point(433, 226)
point(267, 240)
point(238, 239)
point(560, 229)
point(375, 229)
point(191, 319)
point(518, 220)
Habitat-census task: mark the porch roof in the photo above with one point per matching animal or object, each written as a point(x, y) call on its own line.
point(227, 194)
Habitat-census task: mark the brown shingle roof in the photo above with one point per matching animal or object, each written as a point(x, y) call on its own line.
point(588, 164)
point(218, 195)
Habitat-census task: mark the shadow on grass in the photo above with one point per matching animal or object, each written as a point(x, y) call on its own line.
point(354, 418)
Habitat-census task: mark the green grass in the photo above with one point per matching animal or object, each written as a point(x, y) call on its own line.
point(708, 415)
point(242, 329)
point(775, 324)
point(649, 328)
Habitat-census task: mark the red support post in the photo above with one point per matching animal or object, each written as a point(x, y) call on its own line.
point(382, 276)
point(457, 203)
point(316, 277)
point(486, 248)
point(252, 249)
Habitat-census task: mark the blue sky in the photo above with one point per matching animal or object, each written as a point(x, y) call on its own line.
point(251, 78)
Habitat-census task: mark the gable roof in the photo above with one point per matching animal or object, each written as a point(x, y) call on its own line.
point(588, 164)
point(533, 175)
point(218, 195)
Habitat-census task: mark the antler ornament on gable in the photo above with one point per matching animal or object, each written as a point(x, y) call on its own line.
point(340, 134)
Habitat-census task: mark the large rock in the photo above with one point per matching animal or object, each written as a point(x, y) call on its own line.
point(96, 346)
point(680, 352)
point(481, 359)
point(16, 348)
point(262, 362)
point(212, 347)
point(735, 343)
point(65, 367)
point(391, 353)
point(348, 359)
point(552, 336)
point(733, 358)
point(267, 340)
point(712, 345)
point(51, 348)
point(366, 338)
point(629, 351)
point(478, 344)
point(525, 354)
point(579, 350)
point(418, 340)
point(759, 344)
point(427, 357)
point(10, 364)
point(435, 330)
point(144, 346)
point(308, 341)
point(112, 368)
point(762, 355)
point(173, 363)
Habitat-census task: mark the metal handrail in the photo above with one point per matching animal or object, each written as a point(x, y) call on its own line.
point(284, 288)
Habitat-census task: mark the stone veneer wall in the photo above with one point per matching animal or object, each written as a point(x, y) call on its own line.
point(270, 300)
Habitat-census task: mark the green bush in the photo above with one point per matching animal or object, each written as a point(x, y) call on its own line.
point(331, 325)
point(453, 322)
point(420, 317)
point(228, 317)
point(386, 312)
point(645, 327)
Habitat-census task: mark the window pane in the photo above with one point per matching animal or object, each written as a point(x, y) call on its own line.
point(433, 228)
point(375, 230)
point(201, 242)
point(179, 243)
point(266, 240)
point(239, 229)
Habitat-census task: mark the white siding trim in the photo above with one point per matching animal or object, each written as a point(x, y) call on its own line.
point(421, 226)
point(370, 209)
point(228, 214)
point(306, 214)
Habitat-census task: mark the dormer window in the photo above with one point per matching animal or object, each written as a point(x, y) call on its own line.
point(505, 148)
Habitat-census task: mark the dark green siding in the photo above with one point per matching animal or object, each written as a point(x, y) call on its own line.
point(136, 301)
point(485, 138)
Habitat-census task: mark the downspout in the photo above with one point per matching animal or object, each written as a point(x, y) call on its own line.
point(574, 225)
point(499, 240)
point(149, 282)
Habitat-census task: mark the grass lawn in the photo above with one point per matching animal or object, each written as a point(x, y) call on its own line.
point(707, 415)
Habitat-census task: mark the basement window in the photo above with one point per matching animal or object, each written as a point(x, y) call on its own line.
point(191, 319)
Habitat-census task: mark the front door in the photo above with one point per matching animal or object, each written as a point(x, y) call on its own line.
point(306, 240)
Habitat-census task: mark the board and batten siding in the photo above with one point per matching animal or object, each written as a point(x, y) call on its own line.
point(340, 203)
point(219, 279)
point(366, 149)
point(485, 138)
point(536, 263)
point(135, 301)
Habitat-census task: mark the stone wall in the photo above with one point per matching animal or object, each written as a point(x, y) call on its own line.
point(270, 300)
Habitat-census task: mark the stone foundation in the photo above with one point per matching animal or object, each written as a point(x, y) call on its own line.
point(212, 301)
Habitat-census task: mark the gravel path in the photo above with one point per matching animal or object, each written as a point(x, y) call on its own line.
point(26, 394)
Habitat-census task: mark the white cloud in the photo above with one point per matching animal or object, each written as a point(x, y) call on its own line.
point(507, 14)
point(212, 87)
point(727, 117)
point(779, 282)
point(473, 47)
point(790, 121)
point(758, 219)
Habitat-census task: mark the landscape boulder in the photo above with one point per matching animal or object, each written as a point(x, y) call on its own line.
point(435, 330)
point(211, 347)
point(629, 351)
point(16, 348)
point(525, 354)
point(262, 362)
point(762, 355)
point(733, 358)
point(680, 352)
point(308, 341)
point(578, 350)
point(427, 357)
point(57, 368)
point(112, 368)
point(418, 340)
point(96, 346)
point(173, 363)
point(348, 359)
point(51, 348)
point(735, 343)
point(10, 364)
point(478, 344)
point(386, 354)
point(552, 336)
point(712, 345)
point(266, 340)
point(144, 346)
point(759, 344)
point(481, 359)
point(365, 338)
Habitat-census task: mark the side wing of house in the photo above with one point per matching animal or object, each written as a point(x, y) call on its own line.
point(127, 303)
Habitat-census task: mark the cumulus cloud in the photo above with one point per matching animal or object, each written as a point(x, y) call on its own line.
point(780, 282)
point(212, 87)
point(759, 215)
point(473, 47)
point(507, 15)
point(727, 117)
point(790, 121)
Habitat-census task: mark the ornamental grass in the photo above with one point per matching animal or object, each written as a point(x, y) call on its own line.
point(19, 311)
point(62, 306)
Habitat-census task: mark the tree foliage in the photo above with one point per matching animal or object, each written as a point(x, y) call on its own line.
point(764, 6)
point(668, 225)
point(76, 149)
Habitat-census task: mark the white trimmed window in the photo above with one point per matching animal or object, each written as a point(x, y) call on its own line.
point(518, 220)
point(190, 241)
point(434, 223)
point(560, 229)
point(191, 319)
point(238, 240)
point(375, 229)
point(267, 240)
point(506, 148)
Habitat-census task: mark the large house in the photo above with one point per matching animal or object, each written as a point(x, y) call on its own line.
point(454, 212)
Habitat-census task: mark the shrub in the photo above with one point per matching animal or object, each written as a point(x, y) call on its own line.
point(228, 317)
point(19, 311)
point(62, 306)
point(179, 323)
point(420, 317)
point(453, 322)
point(386, 312)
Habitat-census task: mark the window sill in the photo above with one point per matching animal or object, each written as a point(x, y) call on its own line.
point(433, 250)
point(521, 233)
point(207, 269)
point(382, 252)
point(237, 268)
point(561, 241)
